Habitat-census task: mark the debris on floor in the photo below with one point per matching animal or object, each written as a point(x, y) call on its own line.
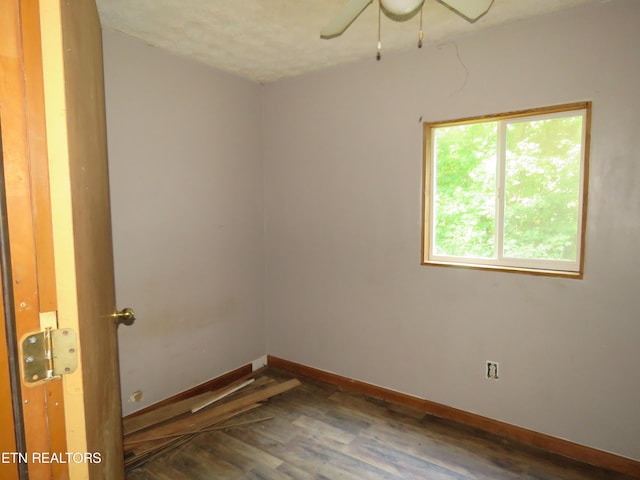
point(155, 432)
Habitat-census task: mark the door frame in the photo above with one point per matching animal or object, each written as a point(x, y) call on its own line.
point(26, 185)
point(11, 417)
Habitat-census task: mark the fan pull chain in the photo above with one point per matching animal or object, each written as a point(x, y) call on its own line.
point(378, 55)
point(420, 35)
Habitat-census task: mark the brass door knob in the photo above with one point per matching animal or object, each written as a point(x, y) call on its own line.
point(126, 316)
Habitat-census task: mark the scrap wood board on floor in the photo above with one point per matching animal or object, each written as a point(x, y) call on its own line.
point(320, 431)
point(153, 433)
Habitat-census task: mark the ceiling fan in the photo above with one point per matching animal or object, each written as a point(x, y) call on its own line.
point(400, 10)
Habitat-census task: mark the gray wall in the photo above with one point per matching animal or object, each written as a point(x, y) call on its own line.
point(186, 185)
point(345, 290)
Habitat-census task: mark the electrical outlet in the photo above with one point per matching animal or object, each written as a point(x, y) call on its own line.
point(135, 397)
point(492, 370)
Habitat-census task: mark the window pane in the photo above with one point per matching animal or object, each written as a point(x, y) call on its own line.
point(465, 190)
point(542, 186)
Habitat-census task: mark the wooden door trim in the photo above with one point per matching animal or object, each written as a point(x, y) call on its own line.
point(11, 419)
point(42, 215)
point(19, 190)
point(29, 219)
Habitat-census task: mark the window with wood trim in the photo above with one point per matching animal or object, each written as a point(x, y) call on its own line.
point(508, 191)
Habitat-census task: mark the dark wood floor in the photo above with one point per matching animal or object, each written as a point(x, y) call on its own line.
point(319, 431)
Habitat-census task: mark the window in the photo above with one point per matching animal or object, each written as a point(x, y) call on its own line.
point(508, 191)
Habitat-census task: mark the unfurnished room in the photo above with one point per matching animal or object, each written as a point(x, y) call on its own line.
point(346, 239)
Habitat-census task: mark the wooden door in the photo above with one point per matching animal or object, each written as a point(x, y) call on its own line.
point(77, 146)
point(59, 220)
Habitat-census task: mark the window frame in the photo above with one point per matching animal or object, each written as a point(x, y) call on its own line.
point(535, 267)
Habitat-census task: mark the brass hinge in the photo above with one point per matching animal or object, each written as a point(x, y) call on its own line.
point(49, 354)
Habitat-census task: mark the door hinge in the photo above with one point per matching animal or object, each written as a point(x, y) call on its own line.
point(49, 354)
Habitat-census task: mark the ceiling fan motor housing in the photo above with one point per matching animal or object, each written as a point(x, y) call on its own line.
point(401, 8)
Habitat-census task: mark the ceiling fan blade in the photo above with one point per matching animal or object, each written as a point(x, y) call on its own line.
point(347, 15)
point(470, 10)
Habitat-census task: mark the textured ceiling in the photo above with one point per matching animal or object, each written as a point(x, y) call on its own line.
point(265, 40)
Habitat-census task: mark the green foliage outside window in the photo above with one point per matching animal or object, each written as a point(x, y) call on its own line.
point(540, 163)
point(542, 189)
point(465, 190)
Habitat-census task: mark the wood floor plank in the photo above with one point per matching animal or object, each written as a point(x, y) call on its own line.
point(141, 475)
point(267, 437)
point(210, 464)
point(322, 460)
point(325, 430)
point(409, 462)
point(246, 453)
point(295, 473)
point(261, 472)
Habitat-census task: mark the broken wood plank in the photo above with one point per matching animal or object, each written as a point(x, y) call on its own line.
point(213, 414)
point(140, 422)
point(211, 429)
point(134, 424)
point(137, 443)
point(144, 445)
point(132, 462)
point(219, 396)
point(137, 455)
